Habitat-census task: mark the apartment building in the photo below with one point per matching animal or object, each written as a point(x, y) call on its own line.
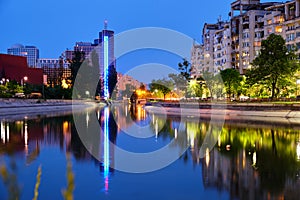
point(197, 60)
point(236, 43)
point(222, 48)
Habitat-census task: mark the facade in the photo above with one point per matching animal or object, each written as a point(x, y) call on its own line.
point(55, 69)
point(104, 47)
point(284, 19)
point(124, 80)
point(216, 48)
point(247, 31)
point(30, 52)
point(16, 68)
point(68, 54)
point(237, 43)
point(197, 60)
point(125, 83)
point(86, 47)
point(222, 48)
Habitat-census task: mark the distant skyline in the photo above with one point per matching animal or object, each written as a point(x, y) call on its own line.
point(53, 26)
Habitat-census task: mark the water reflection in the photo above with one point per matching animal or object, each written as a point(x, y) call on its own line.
point(248, 162)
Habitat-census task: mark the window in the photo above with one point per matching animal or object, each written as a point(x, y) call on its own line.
point(269, 21)
point(246, 44)
point(290, 37)
point(257, 44)
point(278, 29)
point(269, 30)
point(245, 35)
point(278, 19)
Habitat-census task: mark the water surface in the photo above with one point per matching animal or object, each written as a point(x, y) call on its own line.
point(248, 161)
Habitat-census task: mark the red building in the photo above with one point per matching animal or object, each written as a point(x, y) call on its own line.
point(16, 68)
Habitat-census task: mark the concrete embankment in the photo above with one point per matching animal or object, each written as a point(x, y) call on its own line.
point(288, 114)
point(19, 108)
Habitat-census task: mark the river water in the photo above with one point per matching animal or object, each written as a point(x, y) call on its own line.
point(214, 161)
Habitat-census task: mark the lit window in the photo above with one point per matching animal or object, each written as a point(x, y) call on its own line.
point(269, 21)
point(278, 29)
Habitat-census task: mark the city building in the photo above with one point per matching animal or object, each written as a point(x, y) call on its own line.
point(197, 60)
point(16, 68)
point(104, 47)
point(247, 31)
point(68, 55)
point(30, 52)
point(222, 48)
point(235, 44)
point(86, 47)
point(56, 70)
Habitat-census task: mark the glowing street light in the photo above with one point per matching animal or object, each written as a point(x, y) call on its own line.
point(23, 80)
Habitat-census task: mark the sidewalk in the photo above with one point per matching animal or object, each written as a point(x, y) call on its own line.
point(19, 108)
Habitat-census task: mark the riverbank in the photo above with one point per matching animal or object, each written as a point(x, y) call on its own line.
point(30, 108)
point(252, 113)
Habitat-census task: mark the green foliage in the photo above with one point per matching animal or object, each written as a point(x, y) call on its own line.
point(194, 89)
point(184, 69)
point(274, 64)
point(232, 81)
point(180, 81)
point(213, 83)
point(112, 81)
point(57, 92)
point(76, 62)
point(164, 85)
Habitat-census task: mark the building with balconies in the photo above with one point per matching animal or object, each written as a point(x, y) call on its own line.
point(197, 60)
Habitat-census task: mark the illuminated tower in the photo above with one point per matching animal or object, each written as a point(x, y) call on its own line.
point(106, 56)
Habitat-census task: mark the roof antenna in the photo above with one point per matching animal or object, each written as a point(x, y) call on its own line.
point(105, 24)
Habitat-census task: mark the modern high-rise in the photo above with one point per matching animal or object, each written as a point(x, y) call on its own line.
point(86, 47)
point(30, 52)
point(105, 49)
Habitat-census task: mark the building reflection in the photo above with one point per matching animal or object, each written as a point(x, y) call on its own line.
point(247, 162)
point(255, 166)
point(27, 136)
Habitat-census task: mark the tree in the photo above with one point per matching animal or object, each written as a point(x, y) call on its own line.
point(213, 83)
point(78, 58)
point(231, 79)
point(184, 69)
point(179, 81)
point(112, 81)
point(128, 90)
point(274, 63)
point(163, 85)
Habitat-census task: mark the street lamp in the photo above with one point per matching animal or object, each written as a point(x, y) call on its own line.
point(23, 80)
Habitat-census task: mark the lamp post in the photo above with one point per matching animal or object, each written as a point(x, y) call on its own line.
point(23, 80)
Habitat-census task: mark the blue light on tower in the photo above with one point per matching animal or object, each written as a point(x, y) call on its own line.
point(105, 69)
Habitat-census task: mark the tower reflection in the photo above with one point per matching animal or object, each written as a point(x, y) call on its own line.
point(108, 135)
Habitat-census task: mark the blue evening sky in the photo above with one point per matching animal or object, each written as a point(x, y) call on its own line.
point(54, 25)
